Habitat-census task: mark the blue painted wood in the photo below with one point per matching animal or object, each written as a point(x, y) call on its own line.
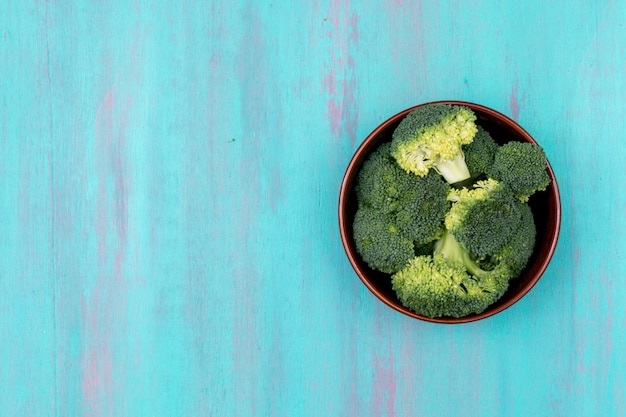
point(170, 176)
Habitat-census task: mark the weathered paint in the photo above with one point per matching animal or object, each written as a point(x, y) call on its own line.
point(170, 176)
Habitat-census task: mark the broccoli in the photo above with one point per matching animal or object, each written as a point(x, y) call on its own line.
point(483, 218)
point(379, 242)
point(449, 251)
point(381, 182)
point(433, 287)
point(422, 208)
point(449, 283)
point(523, 167)
point(518, 249)
point(494, 281)
point(479, 154)
point(416, 205)
point(431, 137)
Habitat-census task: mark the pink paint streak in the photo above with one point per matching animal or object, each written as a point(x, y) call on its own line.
point(384, 388)
point(606, 329)
point(97, 368)
point(339, 82)
point(514, 102)
point(353, 405)
point(107, 298)
point(410, 355)
point(110, 157)
point(330, 83)
point(245, 277)
point(245, 338)
point(409, 15)
point(384, 380)
point(275, 189)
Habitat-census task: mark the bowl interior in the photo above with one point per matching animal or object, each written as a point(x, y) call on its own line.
point(544, 205)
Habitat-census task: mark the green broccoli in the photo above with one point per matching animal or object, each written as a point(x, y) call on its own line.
point(416, 205)
point(450, 251)
point(479, 154)
point(523, 167)
point(494, 281)
point(422, 208)
point(449, 283)
point(433, 287)
point(518, 249)
point(379, 242)
point(483, 218)
point(431, 137)
point(381, 182)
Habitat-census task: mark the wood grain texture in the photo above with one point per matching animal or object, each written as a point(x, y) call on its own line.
point(170, 175)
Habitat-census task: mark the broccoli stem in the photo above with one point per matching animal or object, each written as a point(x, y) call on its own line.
point(453, 170)
point(454, 251)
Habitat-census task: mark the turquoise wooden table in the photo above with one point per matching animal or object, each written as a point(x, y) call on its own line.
point(170, 174)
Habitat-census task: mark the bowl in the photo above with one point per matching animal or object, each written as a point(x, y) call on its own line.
point(545, 205)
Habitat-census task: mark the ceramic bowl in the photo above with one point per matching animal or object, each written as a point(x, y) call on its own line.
point(545, 205)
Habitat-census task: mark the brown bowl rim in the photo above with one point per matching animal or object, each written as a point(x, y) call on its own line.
point(352, 255)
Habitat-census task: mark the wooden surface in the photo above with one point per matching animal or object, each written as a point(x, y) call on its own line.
point(170, 174)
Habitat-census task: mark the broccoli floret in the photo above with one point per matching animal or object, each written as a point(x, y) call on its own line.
point(431, 137)
point(449, 283)
point(480, 153)
point(379, 242)
point(523, 167)
point(422, 208)
point(483, 218)
point(494, 282)
point(415, 204)
point(517, 251)
point(381, 182)
point(433, 287)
